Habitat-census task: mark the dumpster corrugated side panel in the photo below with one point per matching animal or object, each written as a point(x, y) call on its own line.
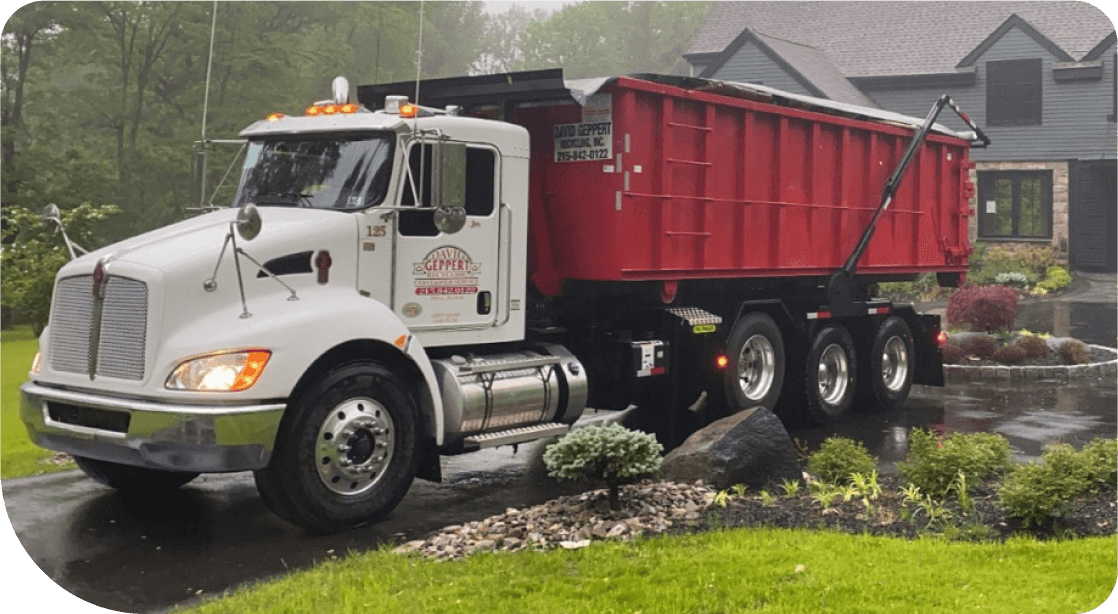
point(702, 186)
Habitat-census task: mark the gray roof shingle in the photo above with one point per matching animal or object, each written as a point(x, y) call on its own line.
point(866, 39)
point(817, 68)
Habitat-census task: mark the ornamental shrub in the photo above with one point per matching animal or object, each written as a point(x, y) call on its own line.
point(1010, 355)
point(933, 462)
point(1074, 351)
point(609, 452)
point(838, 459)
point(1015, 279)
point(1055, 278)
point(1036, 493)
point(952, 354)
point(984, 309)
point(1101, 459)
point(1034, 346)
point(980, 346)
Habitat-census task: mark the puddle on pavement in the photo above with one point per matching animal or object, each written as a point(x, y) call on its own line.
point(1089, 322)
point(1028, 414)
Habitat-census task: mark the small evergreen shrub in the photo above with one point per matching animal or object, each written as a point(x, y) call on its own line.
point(1014, 279)
point(1038, 492)
point(1034, 346)
point(1074, 351)
point(983, 309)
point(952, 354)
point(1010, 355)
point(1055, 278)
point(933, 463)
point(838, 459)
point(610, 453)
point(981, 347)
point(1101, 459)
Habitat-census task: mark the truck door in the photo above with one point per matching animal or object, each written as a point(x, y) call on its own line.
point(448, 281)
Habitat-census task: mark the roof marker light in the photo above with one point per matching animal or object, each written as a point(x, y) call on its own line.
point(314, 111)
point(274, 117)
point(408, 111)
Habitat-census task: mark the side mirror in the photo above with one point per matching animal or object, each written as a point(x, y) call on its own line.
point(248, 222)
point(52, 214)
point(449, 187)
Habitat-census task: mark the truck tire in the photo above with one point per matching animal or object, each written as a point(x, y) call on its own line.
point(885, 373)
point(127, 478)
point(346, 452)
point(829, 375)
point(754, 374)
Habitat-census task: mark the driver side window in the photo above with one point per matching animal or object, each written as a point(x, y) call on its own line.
point(481, 173)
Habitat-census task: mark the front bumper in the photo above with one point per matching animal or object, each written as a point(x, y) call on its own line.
point(152, 434)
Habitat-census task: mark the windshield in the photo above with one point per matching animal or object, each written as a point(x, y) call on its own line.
point(320, 172)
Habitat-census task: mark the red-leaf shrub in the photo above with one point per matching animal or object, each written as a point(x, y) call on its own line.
point(1010, 355)
point(984, 309)
point(952, 354)
point(980, 347)
point(1034, 347)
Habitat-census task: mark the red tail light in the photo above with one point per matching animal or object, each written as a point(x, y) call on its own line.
point(941, 338)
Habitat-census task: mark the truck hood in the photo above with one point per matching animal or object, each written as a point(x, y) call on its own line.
point(202, 237)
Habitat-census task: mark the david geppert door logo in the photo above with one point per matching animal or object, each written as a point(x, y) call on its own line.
point(446, 271)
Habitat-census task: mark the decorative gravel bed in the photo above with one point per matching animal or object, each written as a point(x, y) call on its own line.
point(652, 508)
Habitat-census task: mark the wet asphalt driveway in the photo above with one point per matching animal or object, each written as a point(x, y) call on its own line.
point(143, 555)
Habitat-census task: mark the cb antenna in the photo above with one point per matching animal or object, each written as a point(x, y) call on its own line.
point(205, 108)
point(419, 55)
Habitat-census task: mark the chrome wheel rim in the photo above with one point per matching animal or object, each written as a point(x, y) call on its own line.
point(894, 364)
point(354, 446)
point(756, 367)
point(834, 374)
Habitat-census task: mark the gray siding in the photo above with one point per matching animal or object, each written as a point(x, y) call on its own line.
point(752, 65)
point(1074, 122)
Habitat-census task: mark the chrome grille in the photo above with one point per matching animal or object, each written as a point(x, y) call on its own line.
point(123, 327)
point(70, 324)
point(124, 319)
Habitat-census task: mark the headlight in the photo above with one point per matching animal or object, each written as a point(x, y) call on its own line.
point(36, 363)
point(220, 372)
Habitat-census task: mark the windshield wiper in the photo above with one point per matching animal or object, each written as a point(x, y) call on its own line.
point(293, 198)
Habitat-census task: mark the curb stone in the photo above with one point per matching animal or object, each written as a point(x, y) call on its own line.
point(1098, 370)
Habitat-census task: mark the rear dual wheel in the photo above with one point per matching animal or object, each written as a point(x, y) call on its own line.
point(830, 373)
point(887, 368)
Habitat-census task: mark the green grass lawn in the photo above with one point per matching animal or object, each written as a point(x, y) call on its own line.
point(18, 456)
point(741, 570)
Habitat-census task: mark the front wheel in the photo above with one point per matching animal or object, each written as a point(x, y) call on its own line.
point(127, 478)
point(346, 452)
point(829, 375)
point(886, 373)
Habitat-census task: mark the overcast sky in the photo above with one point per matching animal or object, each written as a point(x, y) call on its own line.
point(548, 5)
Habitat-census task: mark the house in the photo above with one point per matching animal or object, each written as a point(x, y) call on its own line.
point(1038, 77)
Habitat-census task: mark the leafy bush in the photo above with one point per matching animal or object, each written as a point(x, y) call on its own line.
point(952, 354)
point(1074, 351)
point(1055, 278)
point(1036, 493)
point(934, 464)
point(1101, 459)
point(1010, 355)
point(1030, 262)
point(33, 253)
point(980, 347)
point(984, 309)
point(838, 459)
point(610, 452)
point(1013, 278)
point(1034, 346)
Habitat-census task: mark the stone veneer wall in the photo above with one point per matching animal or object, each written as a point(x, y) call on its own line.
point(1059, 201)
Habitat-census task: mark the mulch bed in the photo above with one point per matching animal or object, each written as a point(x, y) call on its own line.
point(1092, 515)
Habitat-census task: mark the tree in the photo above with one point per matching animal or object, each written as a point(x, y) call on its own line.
point(501, 40)
point(610, 453)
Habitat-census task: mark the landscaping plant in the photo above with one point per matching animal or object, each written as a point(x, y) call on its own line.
point(838, 459)
point(934, 462)
point(1010, 354)
point(1033, 346)
point(610, 453)
point(953, 354)
point(1074, 351)
point(1056, 278)
point(983, 309)
point(980, 347)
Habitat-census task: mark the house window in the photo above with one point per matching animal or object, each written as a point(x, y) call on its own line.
point(1015, 204)
point(1013, 93)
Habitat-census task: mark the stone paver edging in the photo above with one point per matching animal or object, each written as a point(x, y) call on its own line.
point(1105, 369)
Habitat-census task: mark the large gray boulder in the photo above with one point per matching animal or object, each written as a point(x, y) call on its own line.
point(750, 447)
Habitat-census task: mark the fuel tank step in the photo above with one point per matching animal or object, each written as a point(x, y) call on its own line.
point(517, 435)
